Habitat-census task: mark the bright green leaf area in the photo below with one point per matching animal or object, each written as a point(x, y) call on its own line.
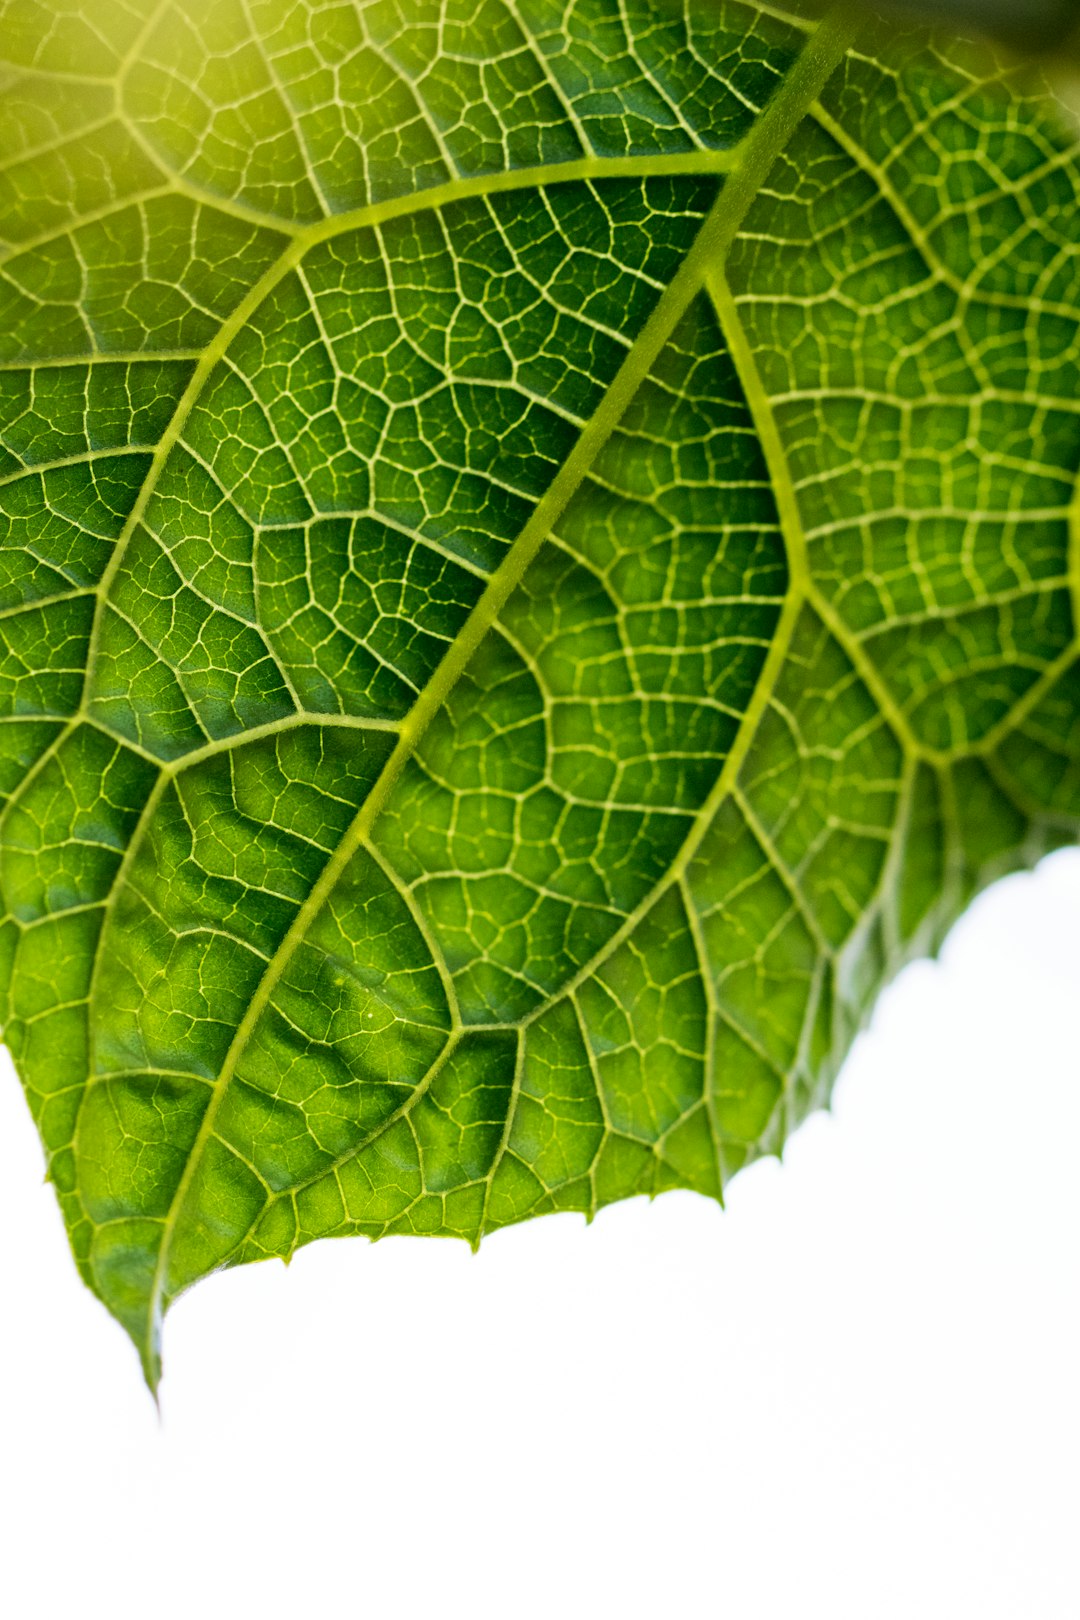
point(539, 564)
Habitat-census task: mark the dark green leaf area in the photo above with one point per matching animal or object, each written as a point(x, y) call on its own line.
point(1034, 25)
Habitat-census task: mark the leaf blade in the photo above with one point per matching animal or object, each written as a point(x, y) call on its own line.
point(590, 902)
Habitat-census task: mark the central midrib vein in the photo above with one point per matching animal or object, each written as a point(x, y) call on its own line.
point(754, 159)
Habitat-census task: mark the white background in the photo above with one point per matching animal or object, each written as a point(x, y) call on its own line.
point(854, 1395)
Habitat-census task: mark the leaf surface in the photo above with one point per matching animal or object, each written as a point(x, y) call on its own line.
point(539, 566)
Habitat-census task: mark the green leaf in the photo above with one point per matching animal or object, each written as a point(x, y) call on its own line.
point(540, 564)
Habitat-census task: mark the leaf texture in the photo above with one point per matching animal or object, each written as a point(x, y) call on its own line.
point(539, 565)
